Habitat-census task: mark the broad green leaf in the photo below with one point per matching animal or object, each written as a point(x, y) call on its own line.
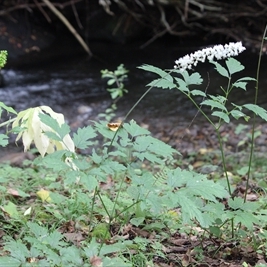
point(54, 161)
point(82, 137)
point(219, 98)
point(241, 85)
point(11, 209)
point(17, 250)
point(61, 130)
point(3, 140)
point(189, 209)
point(220, 69)
point(39, 231)
point(6, 261)
point(8, 109)
point(205, 188)
point(221, 115)
point(160, 72)
point(70, 256)
point(234, 65)
point(182, 85)
point(236, 203)
point(162, 83)
point(195, 78)
point(246, 79)
point(237, 114)
point(246, 218)
point(96, 158)
point(198, 93)
point(257, 110)
point(134, 129)
point(89, 181)
point(213, 104)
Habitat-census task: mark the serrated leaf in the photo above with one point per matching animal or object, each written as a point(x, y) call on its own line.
point(3, 140)
point(236, 203)
point(17, 250)
point(234, 65)
point(193, 79)
point(198, 93)
point(96, 158)
point(213, 104)
point(205, 188)
point(245, 218)
point(82, 137)
point(221, 115)
point(241, 85)
point(237, 114)
point(90, 182)
point(61, 130)
point(189, 209)
point(162, 83)
point(6, 261)
point(220, 69)
point(182, 85)
point(134, 129)
point(257, 110)
point(160, 72)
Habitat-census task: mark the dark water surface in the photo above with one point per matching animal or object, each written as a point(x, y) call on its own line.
point(72, 81)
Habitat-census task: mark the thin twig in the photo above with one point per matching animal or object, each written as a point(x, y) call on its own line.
point(69, 26)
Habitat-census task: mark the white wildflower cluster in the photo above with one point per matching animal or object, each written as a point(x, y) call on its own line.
point(216, 52)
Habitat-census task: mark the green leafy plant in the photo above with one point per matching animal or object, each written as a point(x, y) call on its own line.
point(181, 79)
point(116, 88)
point(84, 207)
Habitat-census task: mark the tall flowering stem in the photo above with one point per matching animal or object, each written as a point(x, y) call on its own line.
point(216, 52)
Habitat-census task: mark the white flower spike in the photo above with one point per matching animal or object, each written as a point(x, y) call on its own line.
point(216, 52)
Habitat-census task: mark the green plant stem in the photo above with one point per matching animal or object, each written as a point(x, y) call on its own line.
point(223, 161)
point(254, 116)
point(219, 138)
point(7, 122)
point(92, 209)
point(129, 112)
point(200, 110)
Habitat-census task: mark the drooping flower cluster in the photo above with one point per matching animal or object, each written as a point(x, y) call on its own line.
point(216, 52)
